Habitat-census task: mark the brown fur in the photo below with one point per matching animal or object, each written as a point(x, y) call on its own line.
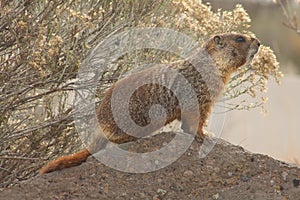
point(226, 52)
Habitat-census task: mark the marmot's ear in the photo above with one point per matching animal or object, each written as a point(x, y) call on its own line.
point(219, 40)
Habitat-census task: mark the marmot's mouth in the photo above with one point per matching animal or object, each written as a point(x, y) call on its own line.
point(252, 55)
point(253, 52)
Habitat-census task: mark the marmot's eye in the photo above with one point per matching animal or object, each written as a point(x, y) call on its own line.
point(240, 39)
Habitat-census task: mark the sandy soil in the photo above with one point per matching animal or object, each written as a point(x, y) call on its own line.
point(228, 172)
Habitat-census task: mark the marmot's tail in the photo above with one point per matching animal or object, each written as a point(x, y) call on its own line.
point(66, 161)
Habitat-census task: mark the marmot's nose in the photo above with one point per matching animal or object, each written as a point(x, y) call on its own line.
point(258, 43)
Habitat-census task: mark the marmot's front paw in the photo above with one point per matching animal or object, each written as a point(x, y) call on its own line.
point(199, 138)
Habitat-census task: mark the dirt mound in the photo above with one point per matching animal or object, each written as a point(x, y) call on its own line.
point(228, 172)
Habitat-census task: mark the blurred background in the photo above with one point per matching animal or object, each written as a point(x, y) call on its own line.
point(277, 133)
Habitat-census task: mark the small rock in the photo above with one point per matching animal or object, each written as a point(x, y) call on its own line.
point(188, 173)
point(142, 195)
point(230, 173)
point(284, 175)
point(244, 178)
point(161, 192)
point(216, 196)
point(231, 181)
point(156, 197)
point(281, 188)
point(296, 182)
point(209, 167)
point(123, 194)
point(252, 190)
point(217, 169)
point(106, 189)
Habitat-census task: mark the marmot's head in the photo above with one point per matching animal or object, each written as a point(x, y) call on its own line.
point(230, 51)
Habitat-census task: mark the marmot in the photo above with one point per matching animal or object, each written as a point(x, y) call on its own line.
point(224, 52)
